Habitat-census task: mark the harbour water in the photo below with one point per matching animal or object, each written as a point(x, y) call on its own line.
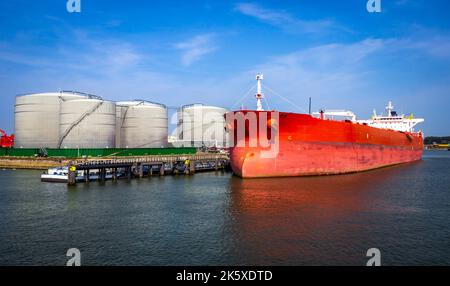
point(218, 219)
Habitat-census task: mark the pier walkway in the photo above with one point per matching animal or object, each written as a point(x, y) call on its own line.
point(146, 166)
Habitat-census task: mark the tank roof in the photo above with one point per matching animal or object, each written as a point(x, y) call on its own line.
point(140, 102)
point(58, 93)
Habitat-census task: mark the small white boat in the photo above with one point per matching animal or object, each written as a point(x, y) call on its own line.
point(58, 175)
point(61, 175)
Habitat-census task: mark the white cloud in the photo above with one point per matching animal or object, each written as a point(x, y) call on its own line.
point(328, 73)
point(195, 48)
point(437, 46)
point(354, 75)
point(84, 52)
point(340, 55)
point(338, 75)
point(283, 19)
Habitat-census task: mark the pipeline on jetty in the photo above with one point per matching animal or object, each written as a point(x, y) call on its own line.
point(146, 166)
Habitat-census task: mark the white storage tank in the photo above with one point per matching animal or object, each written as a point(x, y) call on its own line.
point(87, 123)
point(201, 125)
point(37, 118)
point(141, 124)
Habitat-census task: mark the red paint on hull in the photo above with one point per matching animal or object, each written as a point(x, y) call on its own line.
point(311, 146)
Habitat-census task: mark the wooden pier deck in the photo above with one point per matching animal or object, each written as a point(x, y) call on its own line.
point(147, 166)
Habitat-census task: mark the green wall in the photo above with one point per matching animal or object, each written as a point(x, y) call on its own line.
point(74, 153)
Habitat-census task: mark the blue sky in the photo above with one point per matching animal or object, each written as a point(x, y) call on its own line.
point(181, 52)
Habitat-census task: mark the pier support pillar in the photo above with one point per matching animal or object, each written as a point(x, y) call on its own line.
point(161, 170)
point(72, 176)
point(216, 166)
point(192, 167)
point(141, 170)
point(186, 167)
point(129, 172)
point(102, 172)
point(114, 175)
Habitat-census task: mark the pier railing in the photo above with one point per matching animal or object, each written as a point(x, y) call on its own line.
point(145, 165)
point(150, 159)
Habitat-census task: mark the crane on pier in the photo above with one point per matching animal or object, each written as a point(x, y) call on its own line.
point(5, 140)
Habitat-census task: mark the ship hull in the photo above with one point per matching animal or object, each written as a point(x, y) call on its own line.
point(309, 146)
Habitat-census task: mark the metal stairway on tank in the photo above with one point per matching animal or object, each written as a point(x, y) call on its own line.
point(83, 116)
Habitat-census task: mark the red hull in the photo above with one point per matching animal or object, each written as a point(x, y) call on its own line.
point(312, 146)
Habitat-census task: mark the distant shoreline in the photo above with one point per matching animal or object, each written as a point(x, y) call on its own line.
point(31, 163)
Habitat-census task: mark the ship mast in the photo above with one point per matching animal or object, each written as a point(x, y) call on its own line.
point(259, 95)
point(389, 109)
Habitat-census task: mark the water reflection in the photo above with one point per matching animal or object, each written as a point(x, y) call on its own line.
point(309, 220)
point(218, 219)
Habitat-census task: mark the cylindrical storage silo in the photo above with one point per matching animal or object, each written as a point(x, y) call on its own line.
point(202, 125)
point(87, 123)
point(37, 118)
point(141, 124)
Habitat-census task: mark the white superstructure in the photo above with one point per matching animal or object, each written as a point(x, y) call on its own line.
point(392, 120)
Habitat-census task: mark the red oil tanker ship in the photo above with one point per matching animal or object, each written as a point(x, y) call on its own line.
point(319, 144)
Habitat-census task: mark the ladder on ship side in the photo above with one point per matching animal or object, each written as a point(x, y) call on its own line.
point(78, 121)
